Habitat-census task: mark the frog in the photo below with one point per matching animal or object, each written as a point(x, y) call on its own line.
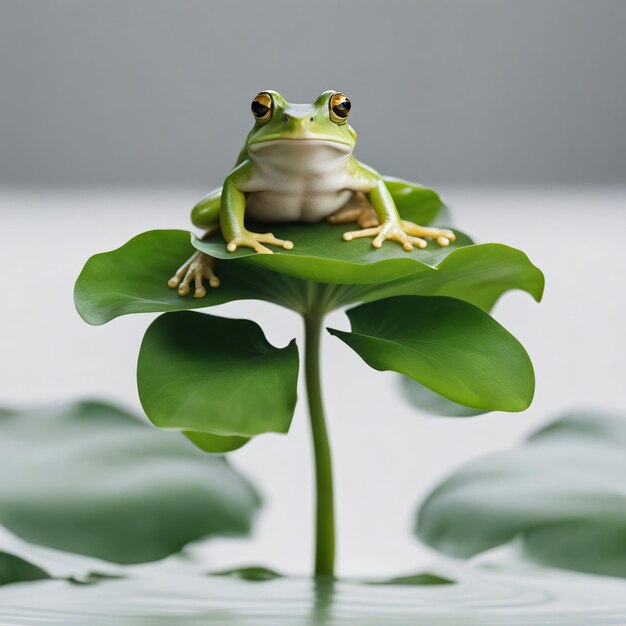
point(298, 165)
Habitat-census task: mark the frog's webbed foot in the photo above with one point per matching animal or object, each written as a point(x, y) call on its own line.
point(198, 267)
point(364, 216)
point(255, 241)
point(443, 236)
point(405, 233)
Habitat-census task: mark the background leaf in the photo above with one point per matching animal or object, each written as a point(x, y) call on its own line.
point(92, 479)
point(562, 494)
point(15, 569)
point(253, 573)
point(21, 561)
point(419, 579)
point(449, 346)
point(215, 375)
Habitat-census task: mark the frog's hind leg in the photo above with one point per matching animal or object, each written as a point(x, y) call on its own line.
point(357, 209)
point(206, 214)
point(198, 267)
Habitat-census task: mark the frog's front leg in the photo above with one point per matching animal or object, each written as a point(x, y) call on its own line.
point(232, 212)
point(390, 226)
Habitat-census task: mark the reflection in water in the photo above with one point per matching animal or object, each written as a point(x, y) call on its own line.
point(323, 593)
point(481, 597)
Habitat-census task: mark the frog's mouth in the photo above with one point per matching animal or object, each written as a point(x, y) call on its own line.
point(301, 142)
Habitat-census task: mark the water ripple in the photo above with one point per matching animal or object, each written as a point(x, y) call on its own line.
point(478, 598)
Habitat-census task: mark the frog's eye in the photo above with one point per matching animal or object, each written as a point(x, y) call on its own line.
point(339, 108)
point(263, 107)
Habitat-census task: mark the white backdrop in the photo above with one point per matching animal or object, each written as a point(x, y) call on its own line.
point(387, 456)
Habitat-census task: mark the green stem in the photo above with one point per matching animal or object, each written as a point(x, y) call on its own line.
point(325, 508)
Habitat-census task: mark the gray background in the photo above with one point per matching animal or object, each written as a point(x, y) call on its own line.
point(147, 92)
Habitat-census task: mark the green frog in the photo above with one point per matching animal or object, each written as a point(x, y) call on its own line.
point(297, 165)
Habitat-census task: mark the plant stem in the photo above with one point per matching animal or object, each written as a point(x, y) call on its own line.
point(325, 507)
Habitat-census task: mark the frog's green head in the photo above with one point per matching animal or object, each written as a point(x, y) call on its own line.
point(324, 120)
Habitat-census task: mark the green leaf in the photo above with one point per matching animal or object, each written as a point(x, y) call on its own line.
point(15, 569)
point(133, 279)
point(253, 573)
point(18, 557)
point(478, 274)
point(92, 479)
point(449, 346)
point(561, 495)
point(215, 444)
point(420, 579)
point(415, 203)
point(481, 282)
point(209, 374)
point(321, 255)
point(432, 403)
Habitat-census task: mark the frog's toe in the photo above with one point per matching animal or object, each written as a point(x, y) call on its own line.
point(178, 279)
point(445, 238)
point(442, 236)
point(397, 235)
point(196, 269)
point(175, 280)
point(378, 241)
point(417, 241)
point(359, 234)
point(214, 281)
point(380, 234)
point(195, 273)
point(209, 274)
point(247, 243)
point(274, 241)
point(390, 231)
point(256, 241)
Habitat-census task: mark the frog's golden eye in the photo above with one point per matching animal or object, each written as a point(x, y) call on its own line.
point(263, 107)
point(339, 107)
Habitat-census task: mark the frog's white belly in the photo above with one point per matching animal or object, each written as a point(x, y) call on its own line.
point(297, 180)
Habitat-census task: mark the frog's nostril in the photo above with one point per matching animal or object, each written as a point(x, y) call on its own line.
point(285, 119)
point(311, 119)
